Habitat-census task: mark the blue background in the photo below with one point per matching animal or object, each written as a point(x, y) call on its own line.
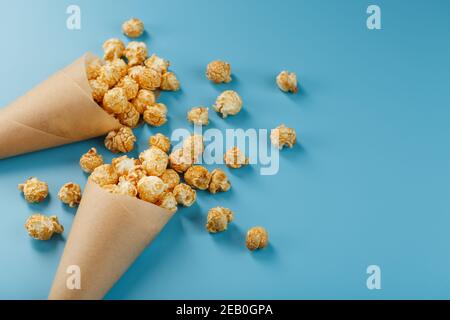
point(368, 182)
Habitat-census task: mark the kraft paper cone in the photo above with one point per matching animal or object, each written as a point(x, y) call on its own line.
point(108, 234)
point(58, 111)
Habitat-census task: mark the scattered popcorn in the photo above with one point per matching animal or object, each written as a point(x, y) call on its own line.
point(120, 66)
point(193, 147)
point(34, 190)
point(149, 79)
point(104, 175)
point(151, 188)
point(198, 116)
point(157, 63)
point(156, 114)
point(197, 177)
point(283, 136)
point(160, 141)
point(90, 160)
point(257, 238)
point(219, 182)
point(154, 161)
point(169, 82)
point(218, 72)
point(136, 173)
point(171, 178)
point(130, 87)
point(184, 195)
point(114, 49)
point(115, 101)
point(179, 162)
point(228, 103)
point(167, 201)
point(93, 68)
point(235, 158)
point(136, 53)
point(99, 89)
point(109, 74)
point(41, 227)
point(144, 99)
point(126, 188)
point(287, 82)
point(121, 140)
point(122, 165)
point(133, 28)
point(218, 219)
point(129, 118)
point(70, 194)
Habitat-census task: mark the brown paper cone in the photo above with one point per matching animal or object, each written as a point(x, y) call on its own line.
point(108, 234)
point(58, 111)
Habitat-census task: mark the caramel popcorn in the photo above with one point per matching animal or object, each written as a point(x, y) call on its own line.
point(160, 141)
point(121, 140)
point(136, 173)
point(136, 53)
point(115, 101)
point(133, 28)
point(234, 158)
point(104, 175)
point(144, 99)
point(149, 79)
point(197, 177)
point(151, 188)
point(218, 72)
point(193, 147)
point(70, 194)
point(120, 66)
point(34, 190)
point(90, 160)
point(219, 182)
point(93, 68)
point(113, 49)
point(167, 201)
point(170, 178)
point(228, 103)
point(135, 72)
point(99, 89)
point(130, 87)
point(156, 114)
point(169, 82)
point(157, 63)
point(283, 136)
point(126, 188)
point(154, 161)
point(122, 165)
point(287, 82)
point(184, 195)
point(198, 116)
point(257, 238)
point(218, 219)
point(109, 74)
point(41, 227)
point(179, 162)
point(129, 118)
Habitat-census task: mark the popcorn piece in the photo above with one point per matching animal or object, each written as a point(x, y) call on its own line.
point(136, 173)
point(104, 175)
point(93, 68)
point(90, 160)
point(122, 165)
point(135, 72)
point(287, 82)
point(133, 28)
point(129, 118)
point(121, 140)
point(115, 101)
point(179, 162)
point(228, 103)
point(144, 99)
point(234, 158)
point(257, 238)
point(126, 188)
point(41, 227)
point(151, 188)
point(136, 53)
point(218, 219)
point(120, 66)
point(154, 161)
point(156, 114)
point(184, 195)
point(198, 116)
point(130, 87)
point(160, 141)
point(109, 74)
point(219, 182)
point(34, 190)
point(157, 63)
point(70, 194)
point(149, 79)
point(170, 178)
point(99, 89)
point(168, 201)
point(218, 72)
point(113, 49)
point(193, 147)
point(283, 136)
point(169, 82)
point(197, 177)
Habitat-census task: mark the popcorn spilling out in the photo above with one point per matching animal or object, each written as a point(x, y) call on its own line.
point(34, 190)
point(70, 194)
point(41, 227)
point(218, 219)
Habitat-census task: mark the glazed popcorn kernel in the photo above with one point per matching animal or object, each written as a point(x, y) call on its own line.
point(235, 158)
point(169, 82)
point(218, 72)
point(218, 219)
point(93, 68)
point(41, 227)
point(113, 49)
point(149, 79)
point(257, 238)
point(154, 161)
point(130, 87)
point(184, 195)
point(120, 66)
point(156, 114)
point(130, 117)
point(151, 188)
point(99, 89)
point(228, 103)
point(34, 190)
point(104, 175)
point(198, 177)
point(179, 162)
point(287, 82)
point(70, 194)
point(115, 101)
point(283, 136)
point(157, 63)
point(160, 141)
point(122, 165)
point(121, 140)
point(109, 74)
point(125, 187)
point(198, 116)
point(193, 147)
point(133, 28)
point(167, 201)
point(219, 182)
point(136, 173)
point(90, 160)
point(144, 99)
point(171, 178)
point(135, 72)
point(136, 53)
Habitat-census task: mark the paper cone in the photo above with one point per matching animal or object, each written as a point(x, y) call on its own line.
point(108, 234)
point(58, 111)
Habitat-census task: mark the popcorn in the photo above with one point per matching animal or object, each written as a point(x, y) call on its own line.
point(90, 160)
point(179, 162)
point(136, 53)
point(283, 136)
point(34, 190)
point(193, 147)
point(99, 89)
point(70, 194)
point(167, 201)
point(169, 82)
point(228, 103)
point(154, 161)
point(114, 49)
point(234, 158)
point(93, 68)
point(156, 114)
point(198, 116)
point(123, 165)
point(287, 82)
point(130, 87)
point(151, 188)
point(115, 101)
point(219, 182)
point(136, 173)
point(218, 219)
point(129, 118)
point(170, 178)
point(109, 74)
point(157, 63)
point(160, 141)
point(135, 72)
point(104, 175)
point(133, 28)
point(120, 66)
point(126, 188)
point(197, 177)
point(144, 99)
point(257, 238)
point(41, 227)
point(184, 195)
point(121, 140)
point(218, 72)
point(149, 79)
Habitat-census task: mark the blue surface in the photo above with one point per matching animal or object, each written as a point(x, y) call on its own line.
point(368, 183)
